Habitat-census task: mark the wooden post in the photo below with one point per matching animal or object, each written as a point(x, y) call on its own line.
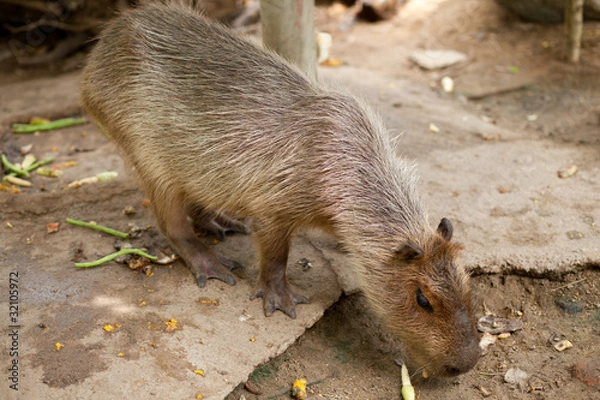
point(574, 27)
point(288, 28)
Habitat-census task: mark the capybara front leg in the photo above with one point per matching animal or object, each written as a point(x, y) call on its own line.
point(201, 261)
point(272, 284)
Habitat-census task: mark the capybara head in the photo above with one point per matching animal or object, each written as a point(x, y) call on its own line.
point(426, 302)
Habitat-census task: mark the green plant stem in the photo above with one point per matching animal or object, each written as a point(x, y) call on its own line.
point(112, 256)
point(101, 228)
point(59, 123)
point(32, 167)
point(13, 168)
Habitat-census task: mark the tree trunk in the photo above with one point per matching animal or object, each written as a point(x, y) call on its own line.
point(574, 25)
point(288, 28)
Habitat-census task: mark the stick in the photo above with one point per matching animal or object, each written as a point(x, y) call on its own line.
point(59, 123)
point(567, 285)
point(112, 256)
point(101, 228)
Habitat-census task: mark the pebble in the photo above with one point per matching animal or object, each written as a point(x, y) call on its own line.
point(447, 84)
point(516, 376)
point(567, 172)
point(435, 59)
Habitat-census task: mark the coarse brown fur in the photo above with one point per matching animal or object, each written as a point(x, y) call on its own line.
point(215, 126)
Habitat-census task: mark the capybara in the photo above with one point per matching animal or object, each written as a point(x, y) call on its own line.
point(217, 127)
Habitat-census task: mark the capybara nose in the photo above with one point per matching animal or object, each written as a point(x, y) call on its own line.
point(466, 361)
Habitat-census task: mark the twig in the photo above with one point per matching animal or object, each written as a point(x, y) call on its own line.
point(60, 123)
point(491, 373)
point(101, 228)
point(568, 284)
point(112, 256)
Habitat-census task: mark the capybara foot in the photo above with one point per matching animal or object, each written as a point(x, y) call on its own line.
point(213, 267)
point(278, 297)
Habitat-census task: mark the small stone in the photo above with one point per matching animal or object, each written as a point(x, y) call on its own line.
point(567, 171)
point(575, 235)
point(26, 149)
point(447, 84)
point(516, 376)
point(129, 210)
point(435, 59)
point(434, 128)
point(485, 392)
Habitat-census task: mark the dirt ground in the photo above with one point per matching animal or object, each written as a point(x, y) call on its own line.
point(514, 79)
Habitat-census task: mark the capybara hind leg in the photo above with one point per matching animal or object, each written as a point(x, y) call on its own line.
point(201, 261)
point(215, 224)
point(272, 284)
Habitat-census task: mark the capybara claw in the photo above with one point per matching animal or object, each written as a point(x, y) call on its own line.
point(214, 268)
point(282, 299)
point(226, 277)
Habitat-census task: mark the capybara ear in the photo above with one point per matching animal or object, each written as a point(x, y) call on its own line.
point(445, 229)
point(409, 251)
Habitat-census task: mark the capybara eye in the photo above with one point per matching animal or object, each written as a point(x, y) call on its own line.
point(423, 302)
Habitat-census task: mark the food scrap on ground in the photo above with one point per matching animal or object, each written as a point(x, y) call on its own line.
point(563, 345)
point(172, 325)
point(111, 328)
point(23, 169)
point(299, 389)
point(100, 177)
point(408, 391)
point(93, 225)
point(112, 256)
point(52, 227)
point(39, 124)
point(18, 181)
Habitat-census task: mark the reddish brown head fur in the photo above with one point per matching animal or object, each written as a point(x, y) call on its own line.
point(427, 304)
